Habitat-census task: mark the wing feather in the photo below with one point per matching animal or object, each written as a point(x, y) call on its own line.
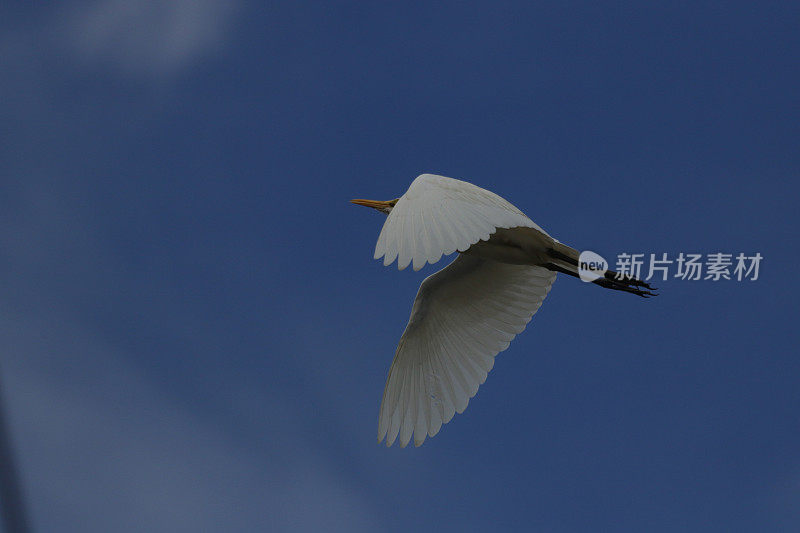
point(450, 234)
point(437, 235)
point(453, 373)
point(462, 317)
point(439, 215)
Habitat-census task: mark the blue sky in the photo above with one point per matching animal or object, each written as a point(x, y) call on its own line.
point(196, 336)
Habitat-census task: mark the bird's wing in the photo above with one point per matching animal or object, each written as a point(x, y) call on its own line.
point(439, 215)
point(463, 316)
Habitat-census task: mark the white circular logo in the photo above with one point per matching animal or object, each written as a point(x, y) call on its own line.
point(591, 266)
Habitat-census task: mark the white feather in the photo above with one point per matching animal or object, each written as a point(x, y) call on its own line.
point(464, 214)
point(462, 317)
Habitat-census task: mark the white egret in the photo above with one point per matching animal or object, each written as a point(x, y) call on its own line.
point(468, 312)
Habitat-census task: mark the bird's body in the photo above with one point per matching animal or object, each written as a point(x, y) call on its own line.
point(515, 246)
point(468, 312)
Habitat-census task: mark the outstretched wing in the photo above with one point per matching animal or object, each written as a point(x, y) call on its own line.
point(463, 316)
point(439, 215)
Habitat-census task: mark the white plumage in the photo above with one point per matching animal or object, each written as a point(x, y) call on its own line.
point(468, 312)
point(438, 216)
point(463, 316)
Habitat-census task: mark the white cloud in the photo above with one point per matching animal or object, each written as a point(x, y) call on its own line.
point(131, 37)
point(104, 445)
point(146, 36)
point(103, 449)
point(106, 442)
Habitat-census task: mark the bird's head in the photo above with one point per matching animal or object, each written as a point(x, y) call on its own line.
point(382, 206)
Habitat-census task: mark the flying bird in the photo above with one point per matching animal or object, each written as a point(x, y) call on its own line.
point(468, 312)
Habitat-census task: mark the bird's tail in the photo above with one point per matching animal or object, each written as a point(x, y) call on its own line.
point(564, 259)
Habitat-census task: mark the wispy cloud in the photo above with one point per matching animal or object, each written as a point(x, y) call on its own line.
point(108, 439)
point(130, 37)
point(146, 36)
point(102, 448)
point(106, 445)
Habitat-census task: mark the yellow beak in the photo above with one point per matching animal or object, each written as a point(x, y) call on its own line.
point(375, 204)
